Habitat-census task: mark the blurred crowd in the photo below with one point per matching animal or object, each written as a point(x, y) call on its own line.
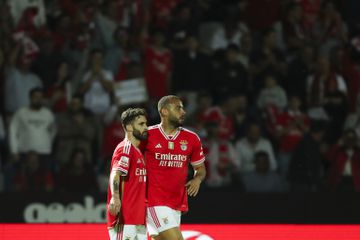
point(270, 86)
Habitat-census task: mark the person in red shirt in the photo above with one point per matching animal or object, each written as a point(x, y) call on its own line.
point(168, 151)
point(158, 66)
point(126, 201)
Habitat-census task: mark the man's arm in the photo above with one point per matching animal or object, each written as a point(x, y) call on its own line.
point(193, 185)
point(115, 203)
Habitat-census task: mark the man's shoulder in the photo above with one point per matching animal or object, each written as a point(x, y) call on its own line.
point(156, 126)
point(123, 147)
point(153, 129)
point(190, 134)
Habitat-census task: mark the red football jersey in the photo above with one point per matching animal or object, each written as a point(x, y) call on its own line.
point(167, 159)
point(158, 66)
point(130, 162)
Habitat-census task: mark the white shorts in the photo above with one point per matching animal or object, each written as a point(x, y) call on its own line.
point(128, 232)
point(161, 218)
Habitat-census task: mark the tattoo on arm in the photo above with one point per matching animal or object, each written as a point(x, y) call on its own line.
point(115, 182)
point(116, 186)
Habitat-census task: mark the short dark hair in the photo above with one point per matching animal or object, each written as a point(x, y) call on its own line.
point(130, 114)
point(35, 90)
point(166, 100)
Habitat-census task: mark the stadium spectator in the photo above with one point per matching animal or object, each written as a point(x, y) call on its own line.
point(329, 29)
point(262, 179)
point(46, 63)
point(222, 162)
point(77, 176)
point(311, 10)
point(228, 34)
point(291, 126)
point(192, 68)
point(253, 142)
point(353, 120)
point(59, 92)
point(19, 81)
point(32, 176)
point(344, 160)
point(306, 166)
point(79, 129)
point(230, 76)
point(158, 67)
point(97, 85)
point(298, 70)
point(245, 50)
point(113, 134)
point(244, 115)
point(272, 95)
point(120, 54)
point(294, 33)
point(32, 128)
point(336, 109)
point(182, 26)
point(267, 60)
point(223, 114)
point(324, 81)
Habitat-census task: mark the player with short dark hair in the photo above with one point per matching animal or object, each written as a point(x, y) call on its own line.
point(126, 203)
point(168, 151)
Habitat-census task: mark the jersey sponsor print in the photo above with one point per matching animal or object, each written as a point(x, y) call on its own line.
point(167, 159)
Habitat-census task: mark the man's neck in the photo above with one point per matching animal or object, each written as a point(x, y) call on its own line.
point(133, 140)
point(168, 128)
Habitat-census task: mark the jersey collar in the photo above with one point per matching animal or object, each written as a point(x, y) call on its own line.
point(168, 137)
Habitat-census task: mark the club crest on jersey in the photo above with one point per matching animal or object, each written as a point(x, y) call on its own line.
point(183, 145)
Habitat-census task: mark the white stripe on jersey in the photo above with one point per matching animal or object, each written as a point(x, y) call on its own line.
point(198, 162)
point(167, 136)
point(154, 126)
point(127, 147)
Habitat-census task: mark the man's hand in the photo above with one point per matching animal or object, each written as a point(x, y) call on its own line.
point(114, 205)
point(193, 187)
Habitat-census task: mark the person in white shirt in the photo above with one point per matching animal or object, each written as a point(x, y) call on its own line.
point(32, 128)
point(19, 80)
point(249, 145)
point(97, 85)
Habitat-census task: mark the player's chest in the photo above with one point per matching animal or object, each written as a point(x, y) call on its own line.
point(138, 168)
point(178, 146)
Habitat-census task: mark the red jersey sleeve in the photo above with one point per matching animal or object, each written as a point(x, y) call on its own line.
point(121, 162)
point(197, 155)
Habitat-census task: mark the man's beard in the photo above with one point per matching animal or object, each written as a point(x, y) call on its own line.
point(137, 134)
point(176, 122)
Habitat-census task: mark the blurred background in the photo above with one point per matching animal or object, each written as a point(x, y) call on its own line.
point(270, 86)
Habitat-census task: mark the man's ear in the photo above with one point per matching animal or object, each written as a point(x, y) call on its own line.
point(164, 111)
point(128, 128)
